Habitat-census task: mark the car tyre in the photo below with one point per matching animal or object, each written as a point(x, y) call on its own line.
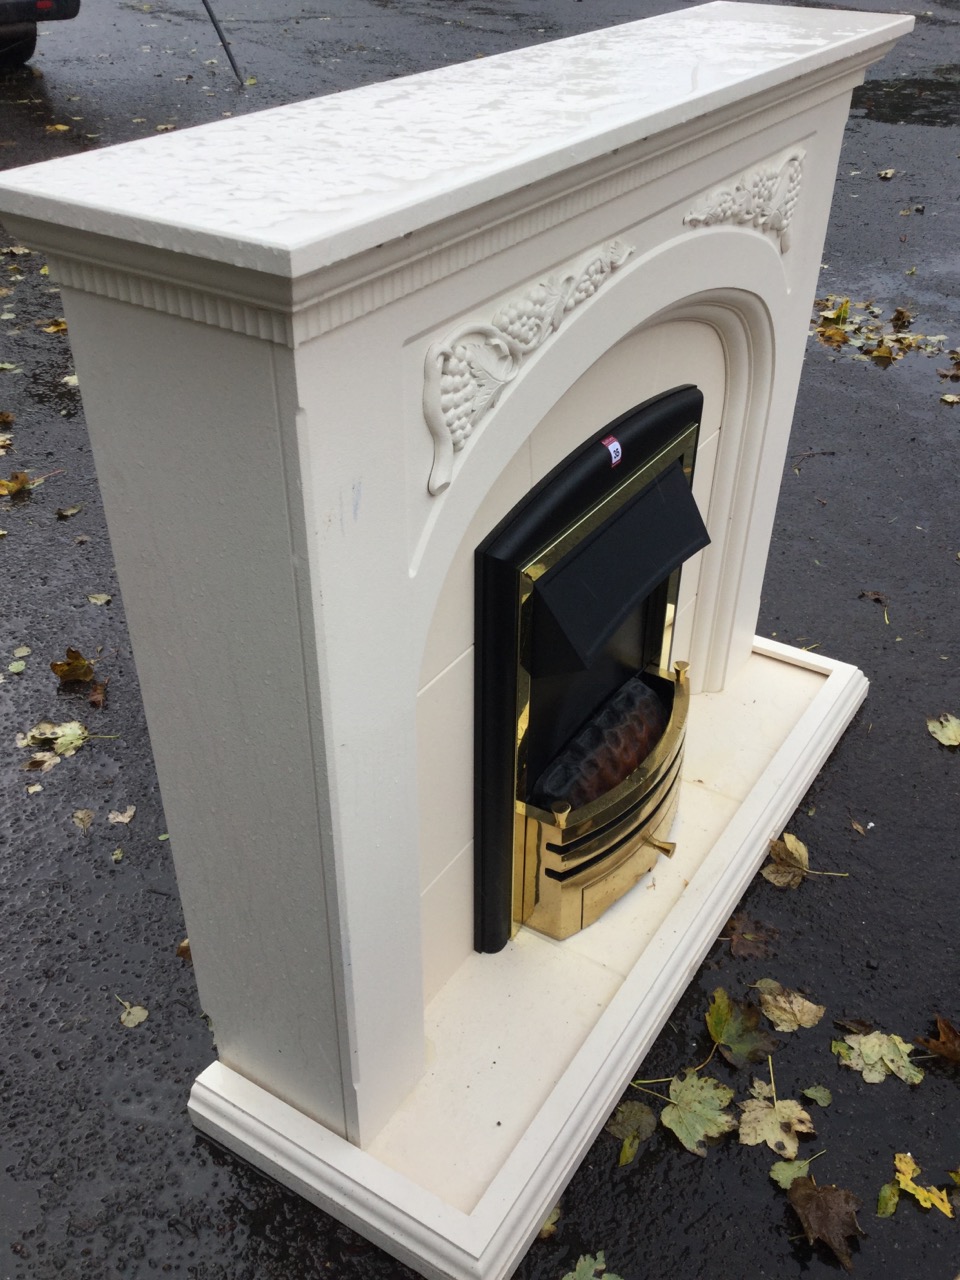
point(17, 44)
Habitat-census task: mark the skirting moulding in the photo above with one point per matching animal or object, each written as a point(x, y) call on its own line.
point(373, 349)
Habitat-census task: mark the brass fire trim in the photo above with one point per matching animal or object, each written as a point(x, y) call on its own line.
point(530, 894)
point(571, 864)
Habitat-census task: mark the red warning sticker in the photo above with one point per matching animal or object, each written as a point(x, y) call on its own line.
point(613, 447)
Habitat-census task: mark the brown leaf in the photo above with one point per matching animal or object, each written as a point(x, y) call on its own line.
point(876, 596)
point(749, 939)
point(902, 319)
point(183, 951)
point(858, 1026)
point(790, 861)
point(828, 1214)
point(98, 694)
point(76, 668)
point(948, 1046)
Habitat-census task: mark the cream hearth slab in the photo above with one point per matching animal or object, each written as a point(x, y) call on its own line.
point(284, 301)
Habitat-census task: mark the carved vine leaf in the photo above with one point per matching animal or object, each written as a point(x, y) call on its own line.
point(464, 376)
point(764, 198)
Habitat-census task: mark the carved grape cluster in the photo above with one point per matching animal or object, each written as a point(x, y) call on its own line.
point(458, 395)
point(588, 284)
point(523, 319)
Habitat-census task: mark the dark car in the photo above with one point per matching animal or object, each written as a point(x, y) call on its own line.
point(18, 26)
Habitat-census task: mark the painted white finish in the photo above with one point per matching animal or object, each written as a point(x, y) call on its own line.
point(270, 336)
point(421, 1198)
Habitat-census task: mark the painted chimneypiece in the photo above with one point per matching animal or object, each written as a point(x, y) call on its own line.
point(306, 313)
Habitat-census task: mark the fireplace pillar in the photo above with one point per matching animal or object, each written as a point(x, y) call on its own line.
point(323, 350)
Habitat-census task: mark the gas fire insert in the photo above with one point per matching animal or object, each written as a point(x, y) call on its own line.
point(580, 720)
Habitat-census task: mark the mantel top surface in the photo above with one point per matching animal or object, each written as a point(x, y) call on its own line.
point(296, 188)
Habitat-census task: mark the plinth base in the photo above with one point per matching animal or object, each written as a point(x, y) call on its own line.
point(530, 1049)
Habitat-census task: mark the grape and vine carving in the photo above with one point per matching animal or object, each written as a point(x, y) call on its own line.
point(465, 375)
point(765, 198)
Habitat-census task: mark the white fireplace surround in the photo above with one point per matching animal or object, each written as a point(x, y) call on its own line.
point(322, 351)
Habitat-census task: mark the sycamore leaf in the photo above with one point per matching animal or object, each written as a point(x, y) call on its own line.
point(888, 1199)
point(83, 818)
point(788, 1010)
point(133, 1014)
point(697, 1110)
point(946, 729)
point(75, 668)
point(549, 1227)
point(786, 1172)
point(115, 816)
point(948, 1046)
point(876, 1056)
point(749, 939)
point(590, 1268)
point(59, 325)
point(819, 1094)
point(734, 1027)
point(65, 739)
point(633, 1123)
point(776, 1123)
point(17, 667)
point(789, 862)
point(828, 1214)
point(99, 597)
point(928, 1197)
point(42, 760)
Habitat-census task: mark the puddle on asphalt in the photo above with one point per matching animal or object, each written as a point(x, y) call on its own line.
point(932, 99)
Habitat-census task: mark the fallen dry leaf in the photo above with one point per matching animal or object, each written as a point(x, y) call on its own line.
point(183, 951)
point(789, 862)
point(99, 597)
point(876, 1056)
point(633, 1123)
point(776, 1121)
point(734, 1027)
point(788, 1010)
point(133, 1014)
point(115, 816)
point(98, 694)
point(828, 1214)
point(64, 513)
point(65, 739)
point(76, 669)
point(83, 819)
point(927, 1197)
point(946, 729)
point(697, 1110)
point(948, 1046)
point(749, 939)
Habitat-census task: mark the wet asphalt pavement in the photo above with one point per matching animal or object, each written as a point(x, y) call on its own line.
point(101, 1173)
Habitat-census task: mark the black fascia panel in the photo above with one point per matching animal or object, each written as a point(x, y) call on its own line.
point(570, 490)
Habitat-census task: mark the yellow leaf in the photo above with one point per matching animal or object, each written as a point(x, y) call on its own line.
point(59, 325)
point(58, 128)
point(950, 399)
point(99, 597)
point(886, 174)
point(928, 1197)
